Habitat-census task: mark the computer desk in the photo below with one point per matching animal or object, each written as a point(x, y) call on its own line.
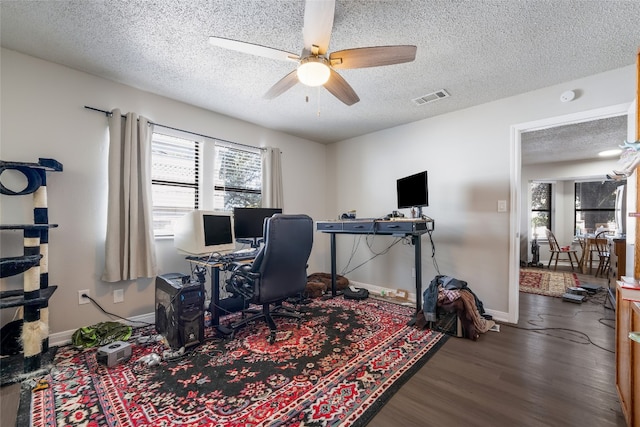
point(413, 228)
point(214, 304)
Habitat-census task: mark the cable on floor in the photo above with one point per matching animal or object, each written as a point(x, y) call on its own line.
point(94, 302)
point(561, 329)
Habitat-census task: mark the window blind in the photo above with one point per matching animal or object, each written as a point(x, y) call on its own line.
point(175, 174)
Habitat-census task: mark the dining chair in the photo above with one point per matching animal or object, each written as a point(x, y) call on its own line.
point(556, 250)
point(602, 246)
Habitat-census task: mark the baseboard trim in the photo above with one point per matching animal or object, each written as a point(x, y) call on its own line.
point(499, 316)
point(64, 337)
point(379, 290)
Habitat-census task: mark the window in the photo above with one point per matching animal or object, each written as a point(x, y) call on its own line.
point(175, 167)
point(595, 205)
point(189, 173)
point(540, 209)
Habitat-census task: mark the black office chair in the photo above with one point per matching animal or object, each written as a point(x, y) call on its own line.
point(279, 271)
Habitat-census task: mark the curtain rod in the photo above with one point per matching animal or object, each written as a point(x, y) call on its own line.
point(109, 113)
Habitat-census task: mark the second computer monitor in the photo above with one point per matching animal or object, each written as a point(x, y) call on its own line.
point(249, 222)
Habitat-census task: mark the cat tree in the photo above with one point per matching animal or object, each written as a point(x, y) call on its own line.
point(33, 264)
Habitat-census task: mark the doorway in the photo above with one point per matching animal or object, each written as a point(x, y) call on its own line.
point(516, 185)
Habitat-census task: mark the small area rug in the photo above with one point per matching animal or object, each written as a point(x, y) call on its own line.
point(337, 368)
point(545, 282)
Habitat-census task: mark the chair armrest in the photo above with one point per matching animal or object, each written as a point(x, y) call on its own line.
point(242, 280)
point(244, 270)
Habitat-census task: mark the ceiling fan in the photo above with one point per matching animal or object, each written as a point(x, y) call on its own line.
point(315, 68)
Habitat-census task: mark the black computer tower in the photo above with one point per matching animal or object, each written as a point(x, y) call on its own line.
point(180, 310)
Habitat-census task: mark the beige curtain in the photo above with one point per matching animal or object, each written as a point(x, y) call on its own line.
point(129, 248)
point(272, 194)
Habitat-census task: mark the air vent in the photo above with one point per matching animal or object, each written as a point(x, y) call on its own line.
point(431, 97)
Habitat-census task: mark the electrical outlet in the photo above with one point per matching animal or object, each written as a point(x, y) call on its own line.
point(81, 299)
point(118, 295)
point(502, 205)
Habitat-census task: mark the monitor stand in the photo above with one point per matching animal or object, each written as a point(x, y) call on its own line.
point(254, 242)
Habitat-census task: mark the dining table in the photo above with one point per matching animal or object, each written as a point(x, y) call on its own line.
point(588, 244)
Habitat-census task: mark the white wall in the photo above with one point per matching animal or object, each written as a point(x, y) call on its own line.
point(43, 115)
point(468, 156)
point(467, 153)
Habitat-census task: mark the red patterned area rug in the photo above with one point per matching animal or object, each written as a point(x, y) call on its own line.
point(337, 368)
point(546, 282)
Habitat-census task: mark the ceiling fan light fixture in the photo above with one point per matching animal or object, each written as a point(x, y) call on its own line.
point(313, 71)
point(610, 153)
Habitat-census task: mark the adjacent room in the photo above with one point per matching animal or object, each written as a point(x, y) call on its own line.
point(194, 233)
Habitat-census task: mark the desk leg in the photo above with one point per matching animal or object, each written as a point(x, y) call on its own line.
point(333, 264)
point(214, 304)
point(334, 274)
point(417, 244)
point(416, 241)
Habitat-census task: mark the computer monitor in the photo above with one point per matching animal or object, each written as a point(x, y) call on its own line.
point(249, 224)
point(413, 191)
point(204, 232)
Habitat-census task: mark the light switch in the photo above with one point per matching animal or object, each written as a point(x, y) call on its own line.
point(502, 205)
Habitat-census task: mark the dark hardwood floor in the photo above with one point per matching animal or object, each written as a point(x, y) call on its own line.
point(561, 375)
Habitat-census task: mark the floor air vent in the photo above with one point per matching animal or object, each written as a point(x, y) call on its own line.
point(431, 97)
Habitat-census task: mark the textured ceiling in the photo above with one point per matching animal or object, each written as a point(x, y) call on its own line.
point(581, 141)
point(477, 50)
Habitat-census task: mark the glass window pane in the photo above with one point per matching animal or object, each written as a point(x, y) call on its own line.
point(237, 178)
point(174, 159)
point(596, 195)
point(169, 203)
point(595, 206)
point(540, 222)
point(540, 196)
point(540, 210)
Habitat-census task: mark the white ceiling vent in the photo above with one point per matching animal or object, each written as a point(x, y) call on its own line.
point(431, 97)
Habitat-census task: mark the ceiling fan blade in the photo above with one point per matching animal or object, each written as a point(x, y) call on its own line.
point(283, 85)
point(318, 23)
point(374, 56)
point(341, 89)
point(253, 49)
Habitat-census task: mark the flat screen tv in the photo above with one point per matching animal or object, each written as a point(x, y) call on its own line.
point(413, 191)
point(204, 232)
point(248, 223)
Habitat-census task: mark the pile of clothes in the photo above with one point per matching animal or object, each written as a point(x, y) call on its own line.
point(454, 296)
